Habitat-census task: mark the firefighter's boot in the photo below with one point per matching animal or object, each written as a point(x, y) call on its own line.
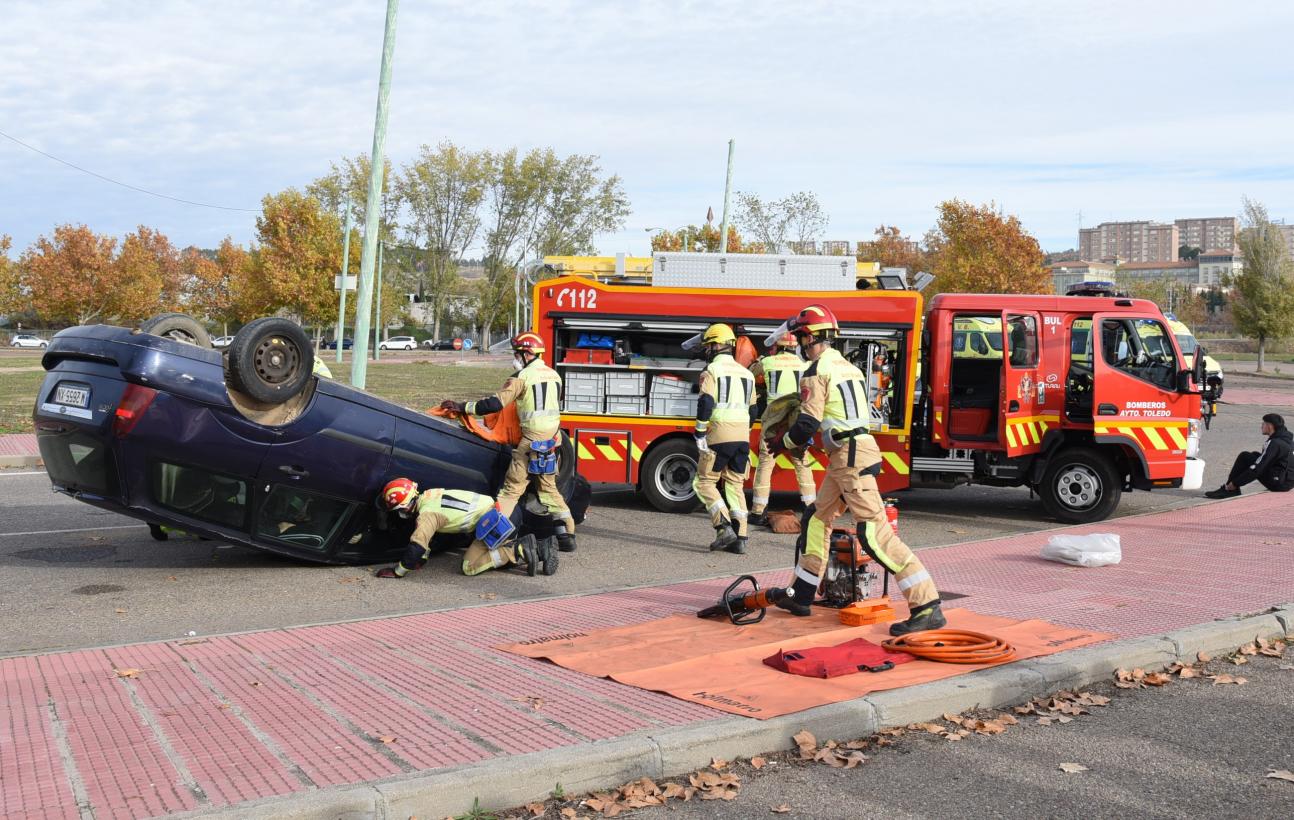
point(539, 556)
point(799, 598)
point(724, 538)
point(929, 616)
point(738, 548)
point(758, 519)
point(565, 538)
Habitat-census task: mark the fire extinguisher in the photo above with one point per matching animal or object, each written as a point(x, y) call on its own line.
point(892, 514)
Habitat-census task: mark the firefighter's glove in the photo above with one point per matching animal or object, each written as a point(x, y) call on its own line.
point(776, 446)
point(386, 572)
point(453, 406)
point(701, 446)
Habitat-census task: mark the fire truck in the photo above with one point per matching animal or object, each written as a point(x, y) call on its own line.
point(1080, 398)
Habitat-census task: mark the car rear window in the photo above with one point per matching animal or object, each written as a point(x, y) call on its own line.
point(78, 461)
point(199, 493)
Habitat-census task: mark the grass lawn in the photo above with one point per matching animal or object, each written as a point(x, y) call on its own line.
point(418, 385)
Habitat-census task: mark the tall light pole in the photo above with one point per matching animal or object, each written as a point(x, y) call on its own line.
point(345, 269)
point(373, 207)
point(727, 189)
point(377, 302)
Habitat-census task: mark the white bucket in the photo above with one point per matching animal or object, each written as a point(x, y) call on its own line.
point(1194, 477)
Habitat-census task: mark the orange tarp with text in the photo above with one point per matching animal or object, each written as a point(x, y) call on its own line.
point(716, 664)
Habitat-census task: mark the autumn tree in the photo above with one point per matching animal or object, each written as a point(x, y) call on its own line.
point(704, 239)
point(442, 191)
point(774, 223)
point(12, 298)
point(978, 249)
point(71, 276)
point(1263, 292)
point(298, 257)
point(148, 275)
point(347, 181)
point(892, 249)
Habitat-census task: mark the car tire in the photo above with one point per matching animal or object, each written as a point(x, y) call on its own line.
point(1080, 485)
point(177, 326)
point(270, 360)
point(666, 475)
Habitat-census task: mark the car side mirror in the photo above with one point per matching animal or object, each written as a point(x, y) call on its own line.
point(1185, 381)
point(1197, 366)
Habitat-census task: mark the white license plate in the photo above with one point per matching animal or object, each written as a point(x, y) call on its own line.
point(72, 396)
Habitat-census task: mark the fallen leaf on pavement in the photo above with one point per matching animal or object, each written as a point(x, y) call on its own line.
point(673, 790)
point(1238, 659)
point(1073, 768)
point(950, 736)
point(489, 596)
point(1188, 672)
point(897, 731)
point(536, 809)
point(758, 762)
point(783, 809)
point(1044, 721)
point(1027, 709)
point(127, 673)
point(532, 701)
point(386, 738)
point(170, 577)
point(718, 764)
point(989, 727)
point(1203, 657)
point(120, 611)
point(807, 743)
point(568, 813)
point(953, 719)
point(1249, 648)
point(1157, 679)
point(856, 744)
point(1007, 719)
point(1282, 774)
point(1217, 679)
point(932, 728)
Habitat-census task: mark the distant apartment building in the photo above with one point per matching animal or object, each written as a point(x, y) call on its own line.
point(1208, 233)
point(1217, 265)
point(1287, 231)
point(1186, 271)
point(1066, 274)
point(1137, 242)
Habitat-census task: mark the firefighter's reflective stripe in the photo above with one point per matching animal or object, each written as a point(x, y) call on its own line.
point(1152, 435)
point(460, 508)
point(539, 401)
point(1022, 432)
point(733, 387)
point(782, 374)
point(846, 400)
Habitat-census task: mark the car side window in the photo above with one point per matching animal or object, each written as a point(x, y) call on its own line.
point(300, 518)
point(1024, 340)
point(199, 493)
point(1140, 348)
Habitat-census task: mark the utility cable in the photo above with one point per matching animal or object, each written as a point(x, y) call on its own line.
point(124, 184)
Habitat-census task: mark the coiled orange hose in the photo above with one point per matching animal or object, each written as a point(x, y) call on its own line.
point(952, 646)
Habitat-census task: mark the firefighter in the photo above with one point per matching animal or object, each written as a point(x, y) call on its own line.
point(780, 376)
point(460, 511)
point(723, 413)
point(833, 400)
point(536, 388)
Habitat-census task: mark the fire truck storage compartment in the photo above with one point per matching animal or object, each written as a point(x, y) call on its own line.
point(976, 388)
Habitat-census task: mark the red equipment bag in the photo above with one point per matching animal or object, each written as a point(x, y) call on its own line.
point(858, 655)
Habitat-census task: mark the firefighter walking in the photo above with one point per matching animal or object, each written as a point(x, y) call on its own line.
point(460, 511)
point(723, 413)
point(779, 374)
point(833, 401)
point(536, 388)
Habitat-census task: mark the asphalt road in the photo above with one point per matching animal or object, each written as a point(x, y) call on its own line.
point(1188, 749)
point(76, 576)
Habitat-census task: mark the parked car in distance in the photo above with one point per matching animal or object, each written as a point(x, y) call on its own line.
point(27, 340)
point(398, 343)
point(221, 341)
point(346, 344)
point(246, 446)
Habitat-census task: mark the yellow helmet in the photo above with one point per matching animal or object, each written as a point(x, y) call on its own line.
point(718, 334)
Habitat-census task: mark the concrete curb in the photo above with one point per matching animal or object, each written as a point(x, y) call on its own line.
point(10, 462)
point(509, 782)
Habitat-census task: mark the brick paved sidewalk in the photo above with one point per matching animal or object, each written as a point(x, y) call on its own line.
point(18, 444)
point(209, 722)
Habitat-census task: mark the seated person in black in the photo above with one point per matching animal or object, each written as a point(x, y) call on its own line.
point(1272, 467)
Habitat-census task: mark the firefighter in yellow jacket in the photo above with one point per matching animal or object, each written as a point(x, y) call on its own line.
point(460, 511)
point(780, 376)
point(723, 413)
point(833, 401)
point(536, 388)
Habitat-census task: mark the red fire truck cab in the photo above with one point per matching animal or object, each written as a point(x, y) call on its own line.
point(1077, 397)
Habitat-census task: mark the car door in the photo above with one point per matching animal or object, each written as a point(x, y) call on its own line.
point(320, 470)
point(1023, 423)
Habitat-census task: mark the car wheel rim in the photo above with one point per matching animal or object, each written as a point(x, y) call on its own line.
point(277, 360)
point(1078, 487)
point(674, 477)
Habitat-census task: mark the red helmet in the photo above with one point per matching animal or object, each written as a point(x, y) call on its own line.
point(528, 343)
point(786, 341)
point(399, 494)
point(815, 320)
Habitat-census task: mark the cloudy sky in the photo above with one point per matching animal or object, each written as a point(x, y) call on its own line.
point(1116, 110)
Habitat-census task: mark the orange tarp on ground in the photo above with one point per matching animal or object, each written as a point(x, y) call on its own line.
point(716, 664)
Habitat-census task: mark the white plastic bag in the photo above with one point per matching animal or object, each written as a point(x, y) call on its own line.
point(1096, 550)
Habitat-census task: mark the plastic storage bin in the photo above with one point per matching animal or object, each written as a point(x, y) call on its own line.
point(666, 384)
point(626, 384)
point(626, 405)
point(583, 385)
point(684, 406)
point(582, 404)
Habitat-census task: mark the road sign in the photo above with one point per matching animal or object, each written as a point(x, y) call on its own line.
point(350, 282)
point(467, 344)
point(458, 344)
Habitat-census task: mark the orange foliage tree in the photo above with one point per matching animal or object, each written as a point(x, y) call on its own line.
point(147, 275)
point(892, 249)
point(71, 276)
point(11, 296)
point(704, 238)
point(299, 254)
point(978, 249)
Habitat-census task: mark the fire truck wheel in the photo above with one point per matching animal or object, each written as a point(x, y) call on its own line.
point(666, 476)
point(1080, 486)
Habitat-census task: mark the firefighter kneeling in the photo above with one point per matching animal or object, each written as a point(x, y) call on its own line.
point(459, 511)
point(833, 400)
point(536, 389)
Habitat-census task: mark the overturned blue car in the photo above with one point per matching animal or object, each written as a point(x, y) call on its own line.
point(248, 445)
